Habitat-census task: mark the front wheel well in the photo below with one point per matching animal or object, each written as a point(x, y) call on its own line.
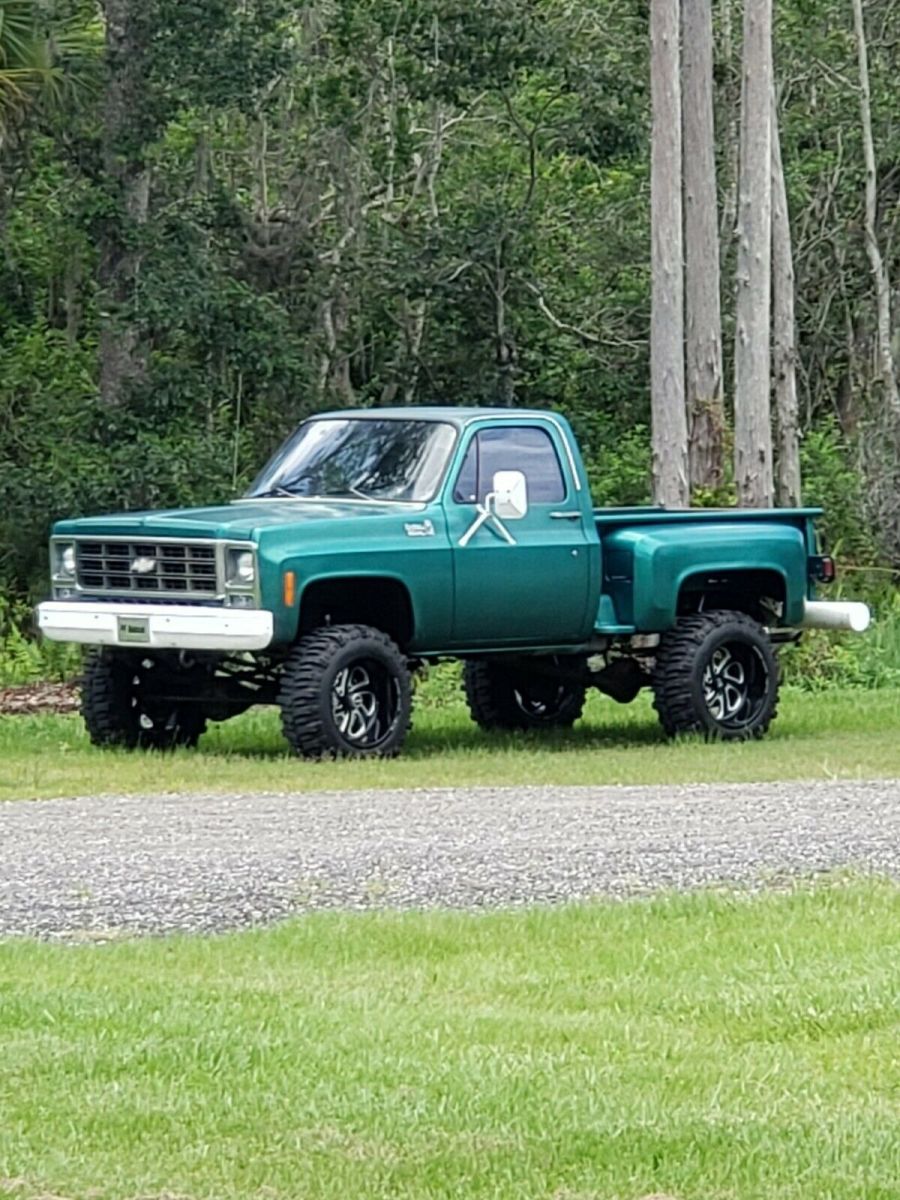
point(382, 603)
point(761, 594)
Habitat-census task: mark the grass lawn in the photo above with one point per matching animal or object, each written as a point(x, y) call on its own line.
point(835, 734)
point(712, 1047)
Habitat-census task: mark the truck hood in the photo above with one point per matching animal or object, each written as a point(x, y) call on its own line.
point(244, 520)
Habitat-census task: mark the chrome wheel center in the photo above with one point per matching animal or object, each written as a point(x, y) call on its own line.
point(724, 685)
point(355, 706)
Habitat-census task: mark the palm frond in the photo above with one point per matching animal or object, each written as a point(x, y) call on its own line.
point(17, 28)
point(54, 67)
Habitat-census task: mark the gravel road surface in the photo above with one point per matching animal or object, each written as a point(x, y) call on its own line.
point(106, 866)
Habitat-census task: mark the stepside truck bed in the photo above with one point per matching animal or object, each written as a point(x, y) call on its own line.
point(652, 558)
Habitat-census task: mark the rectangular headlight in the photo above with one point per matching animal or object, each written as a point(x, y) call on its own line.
point(240, 568)
point(62, 561)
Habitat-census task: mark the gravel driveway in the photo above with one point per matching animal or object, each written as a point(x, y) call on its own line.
point(104, 866)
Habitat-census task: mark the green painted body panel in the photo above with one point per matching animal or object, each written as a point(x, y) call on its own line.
point(318, 539)
point(645, 567)
point(607, 621)
point(573, 573)
point(365, 542)
point(545, 586)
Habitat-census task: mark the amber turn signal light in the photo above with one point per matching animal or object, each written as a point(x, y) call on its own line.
point(289, 588)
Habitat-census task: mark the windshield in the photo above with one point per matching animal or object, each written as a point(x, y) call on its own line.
point(364, 457)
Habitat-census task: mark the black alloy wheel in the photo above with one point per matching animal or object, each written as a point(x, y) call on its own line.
point(734, 684)
point(345, 692)
point(716, 674)
point(365, 701)
point(141, 701)
point(502, 697)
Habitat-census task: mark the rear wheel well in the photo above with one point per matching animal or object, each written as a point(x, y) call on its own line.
point(760, 593)
point(361, 600)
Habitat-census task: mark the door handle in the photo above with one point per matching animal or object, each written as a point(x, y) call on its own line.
point(566, 516)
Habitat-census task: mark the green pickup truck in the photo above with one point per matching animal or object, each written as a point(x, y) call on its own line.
point(375, 541)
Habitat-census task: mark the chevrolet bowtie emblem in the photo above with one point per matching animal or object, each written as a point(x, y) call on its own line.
point(143, 566)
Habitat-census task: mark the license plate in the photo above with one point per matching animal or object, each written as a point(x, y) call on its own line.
point(134, 629)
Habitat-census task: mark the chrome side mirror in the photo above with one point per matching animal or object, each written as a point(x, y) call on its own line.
point(510, 499)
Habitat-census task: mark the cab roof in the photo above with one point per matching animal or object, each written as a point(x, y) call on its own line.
point(455, 415)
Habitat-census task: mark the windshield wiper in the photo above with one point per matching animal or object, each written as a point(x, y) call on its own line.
point(354, 488)
point(351, 489)
point(275, 491)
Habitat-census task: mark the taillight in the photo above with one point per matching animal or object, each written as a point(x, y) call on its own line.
point(822, 569)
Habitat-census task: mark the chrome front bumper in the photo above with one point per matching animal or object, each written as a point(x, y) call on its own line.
point(155, 626)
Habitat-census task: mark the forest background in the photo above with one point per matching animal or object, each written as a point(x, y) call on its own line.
point(219, 216)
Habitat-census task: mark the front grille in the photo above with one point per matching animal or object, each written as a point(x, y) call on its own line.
point(167, 598)
point(147, 568)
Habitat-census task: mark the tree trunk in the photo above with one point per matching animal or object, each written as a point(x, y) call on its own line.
point(701, 244)
point(876, 262)
point(729, 94)
point(752, 408)
point(416, 324)
point(72, 297)
point(335, 385)
point(123, 353)
point(784, 334)
point(505, 351)
point(669, 419)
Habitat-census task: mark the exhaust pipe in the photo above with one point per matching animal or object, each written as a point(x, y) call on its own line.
point(836, 614)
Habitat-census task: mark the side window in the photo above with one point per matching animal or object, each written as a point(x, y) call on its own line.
point(466, 490)
point(511, 448)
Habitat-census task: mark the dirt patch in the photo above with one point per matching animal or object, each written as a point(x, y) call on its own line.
point(33, 698)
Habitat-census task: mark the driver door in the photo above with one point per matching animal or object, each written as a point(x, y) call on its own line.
point(534, 589)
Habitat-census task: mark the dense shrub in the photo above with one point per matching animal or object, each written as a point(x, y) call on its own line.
point(871, 660)
point(24, 658)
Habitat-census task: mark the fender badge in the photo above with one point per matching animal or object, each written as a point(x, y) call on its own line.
point(419, 529)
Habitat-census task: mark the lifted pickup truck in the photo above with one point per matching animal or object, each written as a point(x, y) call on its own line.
point(374, 541)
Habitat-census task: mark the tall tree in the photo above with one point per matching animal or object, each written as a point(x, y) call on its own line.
point(703, 344)
point(784, 333)
point(669, 464)
point(729, 98)
point(876, 261)
point(752, 407)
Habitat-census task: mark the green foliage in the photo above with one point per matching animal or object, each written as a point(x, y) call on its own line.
point(831, 480)
point(23, 659)
point(827, 660)
point(46, 463)
point(383, 203)
point(438, 687)
point(46, 58)
point(619, 467)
